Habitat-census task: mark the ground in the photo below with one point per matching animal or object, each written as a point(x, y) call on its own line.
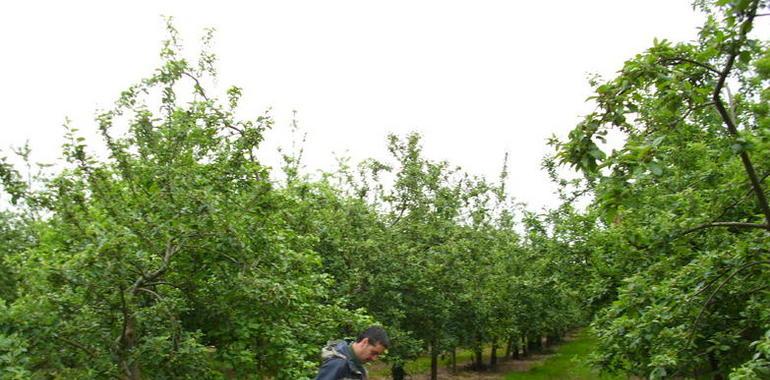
point(504, 367)
point(566, 361)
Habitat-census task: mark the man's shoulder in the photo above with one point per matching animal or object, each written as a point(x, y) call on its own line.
point(333, 368)
point(336, 349)
point(335, 362)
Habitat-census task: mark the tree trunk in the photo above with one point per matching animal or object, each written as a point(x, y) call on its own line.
point(493, 356)
point(535, 343)
point(508, 347)
point(433, 361)
point(127, 343)
point(397, 371)
point(715, 367)
point(454, 359)
point(515, 348)
point(479, 360)
point(552, 339)
point(524, 346)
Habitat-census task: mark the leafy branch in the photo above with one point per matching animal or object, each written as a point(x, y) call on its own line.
point(729, 119)
point(718, 288)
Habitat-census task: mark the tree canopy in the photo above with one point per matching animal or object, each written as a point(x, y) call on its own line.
point(179, 254)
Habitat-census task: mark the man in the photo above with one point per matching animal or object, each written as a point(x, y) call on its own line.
point(345, 360)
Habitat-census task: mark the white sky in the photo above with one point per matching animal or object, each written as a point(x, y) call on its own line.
point(476, 78)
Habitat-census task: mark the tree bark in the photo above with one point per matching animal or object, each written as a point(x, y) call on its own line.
point(397, 371)
point(433, 361)
point(493, 356)
point(479, 360)
point(515, 348)
point(525, 346)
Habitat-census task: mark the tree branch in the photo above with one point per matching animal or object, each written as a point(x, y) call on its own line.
point(740, 199)
point(199, 90)
point(676, 60)
point(714, 293)
point(77, 345)
point(156, 283)
point(158, 296)
point(400, 215)
point(198, 87)
point(726, 224)
point(171, 250)
point(728, 119)
point(125, 312)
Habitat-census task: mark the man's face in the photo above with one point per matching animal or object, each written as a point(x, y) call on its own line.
point(367, 352)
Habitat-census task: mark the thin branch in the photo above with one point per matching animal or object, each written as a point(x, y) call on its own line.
point(709, 285)
point(400, 215)
point(156, 283)
point(198, 87)
point(740, 199)
point(199, 90)
point(77, 345)
point(763, 287)
point(725, 224)
point(696, 63)
point(689, 111)
point(158, 296)
point(714, 293)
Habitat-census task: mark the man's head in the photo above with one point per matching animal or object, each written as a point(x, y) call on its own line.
point(370, 344)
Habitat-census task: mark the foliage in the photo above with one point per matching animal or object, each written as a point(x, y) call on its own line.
point(173, 258)
point(681, 208)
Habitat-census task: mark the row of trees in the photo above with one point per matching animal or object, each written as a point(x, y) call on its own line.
point(178, 256)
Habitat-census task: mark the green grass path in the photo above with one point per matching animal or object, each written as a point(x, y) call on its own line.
point(567, 363)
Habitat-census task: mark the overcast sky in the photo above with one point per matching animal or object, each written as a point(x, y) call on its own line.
point(476, 78)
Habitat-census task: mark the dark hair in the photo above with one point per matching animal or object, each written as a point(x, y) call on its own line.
point(376, 334)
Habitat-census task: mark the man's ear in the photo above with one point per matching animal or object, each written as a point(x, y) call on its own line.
point(365, 341)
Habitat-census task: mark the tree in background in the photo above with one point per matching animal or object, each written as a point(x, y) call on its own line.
point(177, 255)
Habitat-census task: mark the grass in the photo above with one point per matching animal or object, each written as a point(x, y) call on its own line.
point(567, 363)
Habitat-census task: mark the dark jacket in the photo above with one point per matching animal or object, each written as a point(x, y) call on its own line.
point(339, 363)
